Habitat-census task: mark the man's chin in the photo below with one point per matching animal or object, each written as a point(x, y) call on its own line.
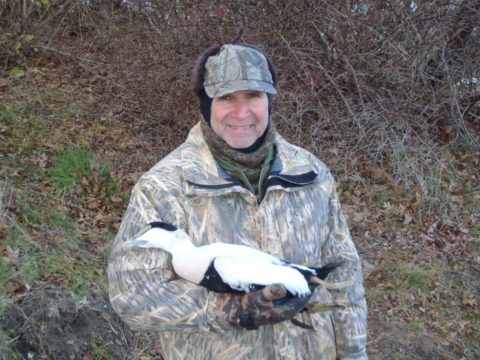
point(239, 145)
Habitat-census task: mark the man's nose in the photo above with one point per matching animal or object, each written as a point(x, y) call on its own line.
point(242, 109)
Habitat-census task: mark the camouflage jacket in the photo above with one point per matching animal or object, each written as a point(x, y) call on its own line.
point(298, 220)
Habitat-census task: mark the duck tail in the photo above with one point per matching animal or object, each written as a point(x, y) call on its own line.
point(322, 272)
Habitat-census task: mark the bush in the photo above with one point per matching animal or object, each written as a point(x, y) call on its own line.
point(389, 82)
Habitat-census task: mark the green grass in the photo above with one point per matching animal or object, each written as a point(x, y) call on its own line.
point(30, 268)
point(22, 135)
point(60, 257)
point(28, 211)
point(407, 275)
point(427, 291)
point(374, 294)
point(26, 268)
point(412, 276)
point(63, 223)
point(417, 326)
point(43, 98)
point(71, 164)
point(76, 171)
point(7, 347)
point(76, 272)
point(7, 272)
point(3, 304)
point(35, 212)
point(7, 117)
point(102, 352)
point(49, 183)
point(394, 195)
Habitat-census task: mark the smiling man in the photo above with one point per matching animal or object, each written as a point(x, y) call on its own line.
point(236, 180)
point(240, 118)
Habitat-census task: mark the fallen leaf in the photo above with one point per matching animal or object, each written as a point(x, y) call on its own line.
point(116, 199)
point(42, 160)
point(368, 268)
point(386, 205)
point(470, 302)
point(3, 229)
point(462, 324)
point(13, 286)
point(386, 285)
point(433, 314)
point(457, 191)
point(4, 82)
point(12, 255)
point(407, 219)
point(410, 297)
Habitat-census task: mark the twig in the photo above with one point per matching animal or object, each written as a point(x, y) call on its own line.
point(47, 48)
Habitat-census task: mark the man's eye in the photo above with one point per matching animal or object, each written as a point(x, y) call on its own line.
point(227, 97)
point(254, 94)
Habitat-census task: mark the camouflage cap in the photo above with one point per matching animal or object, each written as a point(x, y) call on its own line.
point(236, 68)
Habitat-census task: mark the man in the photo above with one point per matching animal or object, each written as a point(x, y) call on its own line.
point(236, 180)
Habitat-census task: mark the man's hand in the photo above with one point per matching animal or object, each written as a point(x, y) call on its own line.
point(266, 306)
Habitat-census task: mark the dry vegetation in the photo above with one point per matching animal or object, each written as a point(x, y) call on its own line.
point(93, 93)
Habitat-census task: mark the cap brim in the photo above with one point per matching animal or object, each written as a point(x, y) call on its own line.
point(217, 90)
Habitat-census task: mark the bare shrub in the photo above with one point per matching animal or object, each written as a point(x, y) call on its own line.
point(391, 82)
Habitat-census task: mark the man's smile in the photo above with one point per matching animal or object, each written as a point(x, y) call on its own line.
point(240, 127)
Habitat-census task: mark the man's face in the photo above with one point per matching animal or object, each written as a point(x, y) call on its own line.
point(240, 118)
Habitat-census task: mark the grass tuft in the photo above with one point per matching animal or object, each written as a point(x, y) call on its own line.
point(7, 347)
point(6, 116)
point(6, 273)
point(70, 165)
point(103, 352)
point(411, 276)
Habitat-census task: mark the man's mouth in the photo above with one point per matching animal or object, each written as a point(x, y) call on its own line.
point(242, 127)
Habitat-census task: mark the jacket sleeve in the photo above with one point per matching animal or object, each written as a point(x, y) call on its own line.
point(350, 323)
point(143, 288)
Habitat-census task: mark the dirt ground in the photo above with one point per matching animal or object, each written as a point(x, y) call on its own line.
point(50, 322)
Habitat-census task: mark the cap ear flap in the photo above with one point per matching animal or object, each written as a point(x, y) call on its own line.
point(199, 68)
point(273, 71)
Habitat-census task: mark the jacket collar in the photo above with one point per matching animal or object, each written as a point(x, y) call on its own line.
point(290, 168)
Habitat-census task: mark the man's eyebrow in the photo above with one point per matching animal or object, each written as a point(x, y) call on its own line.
point(224, 96)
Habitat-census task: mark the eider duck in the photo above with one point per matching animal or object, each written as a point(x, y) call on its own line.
point(222, 267)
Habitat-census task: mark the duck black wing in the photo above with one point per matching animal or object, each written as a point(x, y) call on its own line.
point(214, 282)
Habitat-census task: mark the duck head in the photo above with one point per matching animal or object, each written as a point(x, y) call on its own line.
point(163, 236)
